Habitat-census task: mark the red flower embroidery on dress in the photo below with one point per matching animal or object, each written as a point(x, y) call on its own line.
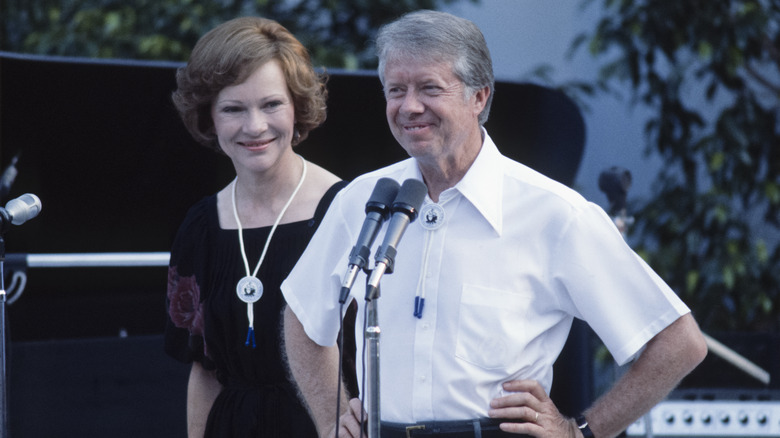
point(184, 306)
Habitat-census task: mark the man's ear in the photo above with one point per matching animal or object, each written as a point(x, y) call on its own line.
point(480, 99)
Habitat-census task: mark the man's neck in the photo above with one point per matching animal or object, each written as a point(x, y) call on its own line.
point(445, 172)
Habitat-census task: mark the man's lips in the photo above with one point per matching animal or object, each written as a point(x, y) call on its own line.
point(415, 127)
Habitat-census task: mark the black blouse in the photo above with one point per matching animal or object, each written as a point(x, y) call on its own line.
point(208, 323)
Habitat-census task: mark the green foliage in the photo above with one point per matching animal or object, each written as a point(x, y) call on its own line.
point(139, 29)
point(710, 70)
point(336, 32)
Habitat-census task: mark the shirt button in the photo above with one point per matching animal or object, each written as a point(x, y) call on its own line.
point(426, 326)
point(423, 378)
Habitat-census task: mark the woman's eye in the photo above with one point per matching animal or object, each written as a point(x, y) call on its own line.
point(273, 105)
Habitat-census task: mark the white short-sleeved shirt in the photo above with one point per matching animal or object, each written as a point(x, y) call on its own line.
point(517, 258)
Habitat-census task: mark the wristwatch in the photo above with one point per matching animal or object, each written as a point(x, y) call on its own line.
point(582, 424)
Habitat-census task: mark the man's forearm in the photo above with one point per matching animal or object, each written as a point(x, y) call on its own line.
point(668, 357)
point(315, 370)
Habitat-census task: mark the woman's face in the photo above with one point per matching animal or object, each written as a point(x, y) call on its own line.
point(254, 120)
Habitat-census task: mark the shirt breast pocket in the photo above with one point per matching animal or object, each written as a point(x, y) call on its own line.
point(491, 326)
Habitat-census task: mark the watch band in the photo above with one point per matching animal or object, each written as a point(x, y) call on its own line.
point(582, 424)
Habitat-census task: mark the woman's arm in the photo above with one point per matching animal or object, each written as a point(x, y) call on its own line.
point(202, 390)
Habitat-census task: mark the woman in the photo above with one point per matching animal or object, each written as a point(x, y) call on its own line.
point(248, 91)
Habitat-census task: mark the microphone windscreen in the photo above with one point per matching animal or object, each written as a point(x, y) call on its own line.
point(23, 208)
point(385, 191)
point(411, 196)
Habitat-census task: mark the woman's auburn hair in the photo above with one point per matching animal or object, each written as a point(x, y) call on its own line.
point(227, 55)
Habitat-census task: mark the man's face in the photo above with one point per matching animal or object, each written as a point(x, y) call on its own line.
point(429, 111)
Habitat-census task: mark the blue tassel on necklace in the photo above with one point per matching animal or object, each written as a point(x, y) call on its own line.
point(418, 306)
point(250, 334)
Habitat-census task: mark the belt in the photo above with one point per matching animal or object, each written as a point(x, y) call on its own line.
point(477, 428)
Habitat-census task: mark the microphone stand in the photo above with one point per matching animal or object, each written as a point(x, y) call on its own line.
point(372, 364)
point(405, 208)
point(3, 338)
point(16, 214)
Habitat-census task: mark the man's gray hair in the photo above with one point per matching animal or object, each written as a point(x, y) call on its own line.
point(440, 37)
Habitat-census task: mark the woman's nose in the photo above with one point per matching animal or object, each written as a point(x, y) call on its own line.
point(255, 122)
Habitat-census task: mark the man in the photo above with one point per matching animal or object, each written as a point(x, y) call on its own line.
point(511, 258)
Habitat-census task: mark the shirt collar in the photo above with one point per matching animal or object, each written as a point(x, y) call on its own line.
point(482, 185)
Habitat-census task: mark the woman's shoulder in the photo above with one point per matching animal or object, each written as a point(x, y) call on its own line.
point(320, 188)
point(321, 177)
point(200, 211)
point(199, 217)
point(318, 182)
point(193, 235)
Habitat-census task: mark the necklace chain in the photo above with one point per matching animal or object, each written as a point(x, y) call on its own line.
point(273, 228)
point(250, 288)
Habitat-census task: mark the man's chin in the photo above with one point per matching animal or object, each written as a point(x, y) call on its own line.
point(417, 149)
point(416, 142)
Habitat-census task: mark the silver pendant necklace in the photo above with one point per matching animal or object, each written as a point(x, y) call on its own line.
point(249, 288)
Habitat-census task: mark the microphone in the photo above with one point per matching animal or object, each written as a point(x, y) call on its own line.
point(405, 210)
point(23, 208)
point(377, 211)
point(20, 210)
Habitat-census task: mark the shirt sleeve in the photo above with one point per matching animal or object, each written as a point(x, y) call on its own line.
point(610, 287)
point(184, 297)
point(312, 288)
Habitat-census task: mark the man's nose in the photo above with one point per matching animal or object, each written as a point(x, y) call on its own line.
point(411, 103)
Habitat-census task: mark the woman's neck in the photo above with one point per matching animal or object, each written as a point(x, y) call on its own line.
point(260, 197)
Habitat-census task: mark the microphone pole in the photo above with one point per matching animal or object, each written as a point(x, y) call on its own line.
point(16, 212)
point(405, 209)
point(371, 396)
point(3, 339)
